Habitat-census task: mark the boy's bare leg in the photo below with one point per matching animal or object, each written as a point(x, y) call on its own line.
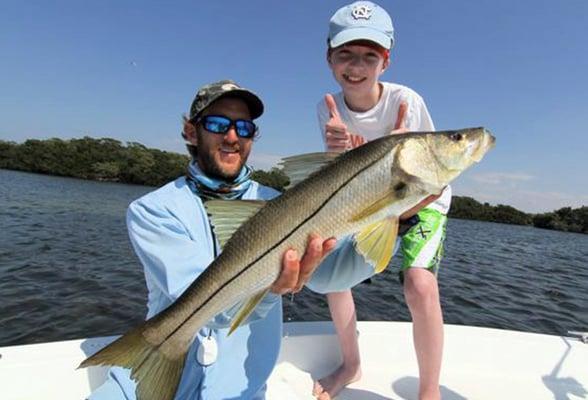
point(342, 310)
point(422, 296)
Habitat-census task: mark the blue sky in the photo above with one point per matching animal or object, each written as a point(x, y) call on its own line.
point(129, 69)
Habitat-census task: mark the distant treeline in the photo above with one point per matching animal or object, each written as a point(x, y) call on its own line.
point(107, 160)
point(565, 219)
point(97, 159)
point(110, 160)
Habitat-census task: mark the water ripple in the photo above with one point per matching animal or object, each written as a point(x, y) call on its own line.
point(67, 269)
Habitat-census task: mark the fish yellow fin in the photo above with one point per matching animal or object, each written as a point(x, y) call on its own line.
point(398, 189)
point(156, 374)
point(376, 242)
point(297, 168)
point(373, 208)
point(246, 309)
point(226, 216)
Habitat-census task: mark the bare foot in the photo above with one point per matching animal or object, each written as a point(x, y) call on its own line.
point(329, 386)
point(434, 394)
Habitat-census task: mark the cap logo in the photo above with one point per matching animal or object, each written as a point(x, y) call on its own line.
point(228, 86)
point(361, 12)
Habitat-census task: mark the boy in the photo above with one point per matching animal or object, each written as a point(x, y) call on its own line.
point(360, 38)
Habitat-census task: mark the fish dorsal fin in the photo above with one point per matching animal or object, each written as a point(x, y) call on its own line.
point(226, 216)
point(376, 242)
point(246, 309)
point(299, 167)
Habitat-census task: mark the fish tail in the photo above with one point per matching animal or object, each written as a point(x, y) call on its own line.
point(157, 375)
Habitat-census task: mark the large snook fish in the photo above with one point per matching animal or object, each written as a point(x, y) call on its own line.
point(361, 192)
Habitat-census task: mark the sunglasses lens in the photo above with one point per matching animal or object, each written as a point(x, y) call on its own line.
point(216, 124)
point(245, 129)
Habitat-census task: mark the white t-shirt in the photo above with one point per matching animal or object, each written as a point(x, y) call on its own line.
point(381, 119)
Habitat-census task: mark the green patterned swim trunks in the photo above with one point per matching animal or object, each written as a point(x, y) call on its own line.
point(422, 245)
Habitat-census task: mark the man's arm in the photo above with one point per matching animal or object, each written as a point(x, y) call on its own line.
point(172, 258)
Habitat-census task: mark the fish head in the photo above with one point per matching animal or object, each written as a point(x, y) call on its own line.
point(457, 150)
point(436, 158)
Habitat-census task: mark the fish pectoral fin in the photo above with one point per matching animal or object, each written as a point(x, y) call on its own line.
point(376, 206)
point(297, 168)
point(246, 309)
point(376, 242)
point(156, 374)
point(226, 216)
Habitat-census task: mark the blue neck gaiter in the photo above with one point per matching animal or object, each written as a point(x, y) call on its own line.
point(211, 188)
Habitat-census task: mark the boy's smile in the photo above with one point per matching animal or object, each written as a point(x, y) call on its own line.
point(353, 79)
point(357, 68)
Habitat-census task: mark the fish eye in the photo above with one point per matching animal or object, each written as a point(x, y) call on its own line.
point(456, 136)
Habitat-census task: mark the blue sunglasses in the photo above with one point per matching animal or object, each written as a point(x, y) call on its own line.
point(220, 124)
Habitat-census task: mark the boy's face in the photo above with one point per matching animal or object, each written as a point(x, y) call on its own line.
point(357, 67)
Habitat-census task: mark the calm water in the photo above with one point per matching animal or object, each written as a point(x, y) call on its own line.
point(67, 269)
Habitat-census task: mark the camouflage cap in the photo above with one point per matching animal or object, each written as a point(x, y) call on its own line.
point(208, 94)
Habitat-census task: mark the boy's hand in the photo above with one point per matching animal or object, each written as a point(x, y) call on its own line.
point(414, 211)
point(297, 271)
point(400, 125)
point(338, 138)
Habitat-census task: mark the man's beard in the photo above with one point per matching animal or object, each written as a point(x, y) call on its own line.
point(209, 165)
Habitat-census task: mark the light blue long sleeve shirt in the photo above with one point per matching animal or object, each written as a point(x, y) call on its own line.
point(171, 235)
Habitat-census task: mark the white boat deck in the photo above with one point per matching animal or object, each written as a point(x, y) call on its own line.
point(479, 363)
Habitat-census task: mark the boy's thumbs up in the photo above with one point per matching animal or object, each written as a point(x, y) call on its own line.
point(332, 106)
point(337, 137)
point(400, 125)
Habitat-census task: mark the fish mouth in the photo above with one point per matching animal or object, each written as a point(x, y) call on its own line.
point(491, 138)
point(479, 148)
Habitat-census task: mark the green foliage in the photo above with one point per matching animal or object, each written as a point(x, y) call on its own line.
point(100, 159)
point(106, 171)
point(107, 159)
point(274, 178)
point(7, 154)
point(510, 215)
point(564, 219)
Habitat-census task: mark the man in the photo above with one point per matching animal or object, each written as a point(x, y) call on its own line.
point(171, 234)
